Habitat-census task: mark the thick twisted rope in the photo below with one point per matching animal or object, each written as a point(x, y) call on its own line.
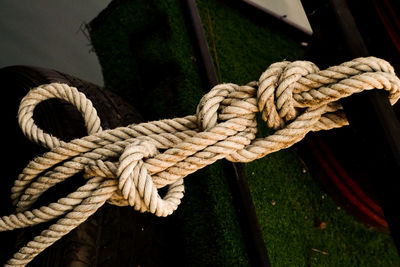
point(124, 166)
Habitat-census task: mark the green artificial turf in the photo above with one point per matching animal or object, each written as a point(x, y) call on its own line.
point(145, 51)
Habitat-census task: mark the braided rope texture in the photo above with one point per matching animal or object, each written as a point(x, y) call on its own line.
point(125, 166)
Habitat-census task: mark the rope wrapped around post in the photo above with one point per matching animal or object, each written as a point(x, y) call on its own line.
point(124, 166)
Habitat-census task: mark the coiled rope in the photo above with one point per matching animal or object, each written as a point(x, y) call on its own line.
point(124, 166)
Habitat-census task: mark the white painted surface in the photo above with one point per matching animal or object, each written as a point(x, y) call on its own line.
point(50, 34)
point(290, 11)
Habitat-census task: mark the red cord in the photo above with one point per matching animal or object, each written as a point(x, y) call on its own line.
point(390, 21)
point(349, 182)
point(348, 188)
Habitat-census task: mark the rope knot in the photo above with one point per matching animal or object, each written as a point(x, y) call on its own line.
point(131, 172)
point(275, 91)
point(135, 184)
point(211, 103)
point(224, 102)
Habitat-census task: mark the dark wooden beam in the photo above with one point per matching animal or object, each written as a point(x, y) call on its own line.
point(242, 199)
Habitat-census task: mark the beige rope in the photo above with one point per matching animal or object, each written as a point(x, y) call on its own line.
point(293, 98)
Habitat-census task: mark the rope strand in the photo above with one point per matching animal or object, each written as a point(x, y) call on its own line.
point(293, 98)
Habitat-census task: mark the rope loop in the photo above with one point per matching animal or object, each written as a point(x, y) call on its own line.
point(48, 91)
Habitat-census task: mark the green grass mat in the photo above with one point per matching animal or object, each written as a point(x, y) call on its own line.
point(147, 57)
